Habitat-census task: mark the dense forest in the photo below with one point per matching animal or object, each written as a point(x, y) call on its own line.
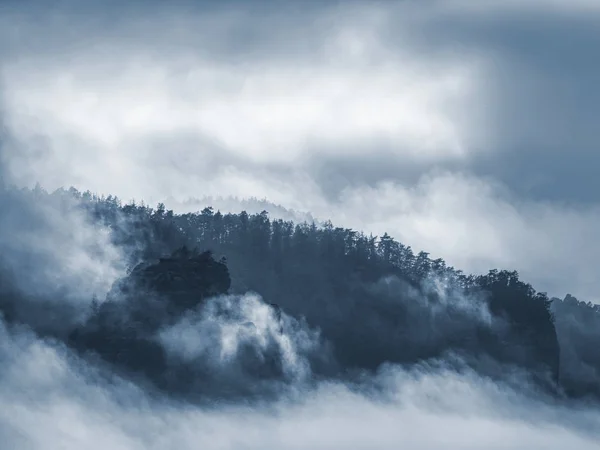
point(220, 305)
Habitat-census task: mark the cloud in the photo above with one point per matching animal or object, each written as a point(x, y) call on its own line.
point(577, 7)
point(542, 98)
point(51, 399)
point(477, 224)
point(54, 258)
point(443, 123)
point(240, 343)
point(102, 106)
point(319, 107)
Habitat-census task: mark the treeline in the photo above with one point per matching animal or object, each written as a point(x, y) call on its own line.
point(333, 277)
point(374, 299)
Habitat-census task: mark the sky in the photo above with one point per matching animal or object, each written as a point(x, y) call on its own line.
point(465, 129)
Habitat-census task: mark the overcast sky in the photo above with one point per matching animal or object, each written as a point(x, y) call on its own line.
point(464, 128)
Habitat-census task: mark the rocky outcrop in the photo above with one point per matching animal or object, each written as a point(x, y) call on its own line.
point(182, 280)
point(121, 329)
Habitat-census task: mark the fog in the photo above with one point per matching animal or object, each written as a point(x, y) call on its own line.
point(385, 118)
point(52, 400)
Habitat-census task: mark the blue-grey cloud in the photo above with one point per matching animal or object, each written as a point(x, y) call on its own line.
point(314, 106)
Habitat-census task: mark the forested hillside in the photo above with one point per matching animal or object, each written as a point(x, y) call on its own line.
point(345, 302)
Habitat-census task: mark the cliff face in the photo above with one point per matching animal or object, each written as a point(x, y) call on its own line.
point(121, 329)
point(182, 281)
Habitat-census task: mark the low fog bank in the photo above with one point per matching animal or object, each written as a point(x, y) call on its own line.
point(52, 399)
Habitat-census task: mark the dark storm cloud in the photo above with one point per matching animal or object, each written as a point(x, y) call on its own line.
point(542, 97)
point(169, 27)
point(547, 101)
